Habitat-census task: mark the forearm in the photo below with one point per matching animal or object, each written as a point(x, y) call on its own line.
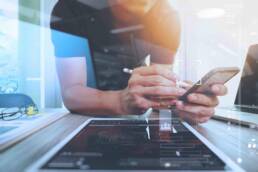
point(84, 100)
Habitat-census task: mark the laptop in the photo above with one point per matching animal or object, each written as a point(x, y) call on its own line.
point(245, 109)
point(119, 144)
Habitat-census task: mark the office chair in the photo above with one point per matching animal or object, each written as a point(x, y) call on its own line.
point(15, 100)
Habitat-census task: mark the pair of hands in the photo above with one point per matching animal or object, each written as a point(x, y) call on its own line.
point(148, 84)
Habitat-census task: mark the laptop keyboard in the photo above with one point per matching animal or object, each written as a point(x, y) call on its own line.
point(246, 109)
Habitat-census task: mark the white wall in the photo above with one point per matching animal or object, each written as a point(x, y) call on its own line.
point(217, 41)
point(51, 88)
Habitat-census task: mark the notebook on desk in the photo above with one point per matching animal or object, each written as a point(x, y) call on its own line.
point(162, 144)
point(13, 131)
point(245, 109)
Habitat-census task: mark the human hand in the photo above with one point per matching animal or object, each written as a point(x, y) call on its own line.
point(200, 107)
point(146, 86)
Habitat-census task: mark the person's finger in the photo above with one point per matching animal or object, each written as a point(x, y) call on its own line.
point(164, 98)
point(196, 109)
point(219, 90)
point(152, 80)
point(188, 117)
point(192, 118)
point(202, 99)
point(160, 91)
point(156, 70)
point(163, 104)
point(188, 84)
point(142, 103)
point(204, 119)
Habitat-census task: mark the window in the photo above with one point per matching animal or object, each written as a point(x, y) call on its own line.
point(26, 59)
point(9, 70)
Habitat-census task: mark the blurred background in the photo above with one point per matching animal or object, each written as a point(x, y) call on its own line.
point(216, 33)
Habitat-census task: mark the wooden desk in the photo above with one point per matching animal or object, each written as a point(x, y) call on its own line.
point(231, 139)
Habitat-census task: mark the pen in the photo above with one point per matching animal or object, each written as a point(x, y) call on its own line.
point(182, 84)
point(147, 113)
point(128, 71)
point(179, 83)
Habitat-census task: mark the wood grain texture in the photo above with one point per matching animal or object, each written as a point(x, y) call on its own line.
point(233, 140)
point(23, 154)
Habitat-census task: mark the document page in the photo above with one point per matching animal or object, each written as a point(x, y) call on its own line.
point(14, 130)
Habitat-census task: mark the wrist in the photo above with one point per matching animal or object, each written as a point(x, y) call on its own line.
point(113, 102)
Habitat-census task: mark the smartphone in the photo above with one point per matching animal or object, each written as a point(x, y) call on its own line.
point(215, 76)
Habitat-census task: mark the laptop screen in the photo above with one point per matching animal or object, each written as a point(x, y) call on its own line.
point(248, 89)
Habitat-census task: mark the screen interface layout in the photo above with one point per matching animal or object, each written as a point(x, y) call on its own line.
point(135, 145)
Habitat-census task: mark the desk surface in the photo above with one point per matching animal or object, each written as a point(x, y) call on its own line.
point(234, 140)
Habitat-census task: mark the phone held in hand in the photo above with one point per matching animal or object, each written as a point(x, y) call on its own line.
point(215, 76)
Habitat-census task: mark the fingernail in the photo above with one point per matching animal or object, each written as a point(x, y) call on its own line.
point(173, 102)
point(181, 91)
point(176, 76)
point(179, 104)
point(192, 97)
point(215, 88)
point(158, 104)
